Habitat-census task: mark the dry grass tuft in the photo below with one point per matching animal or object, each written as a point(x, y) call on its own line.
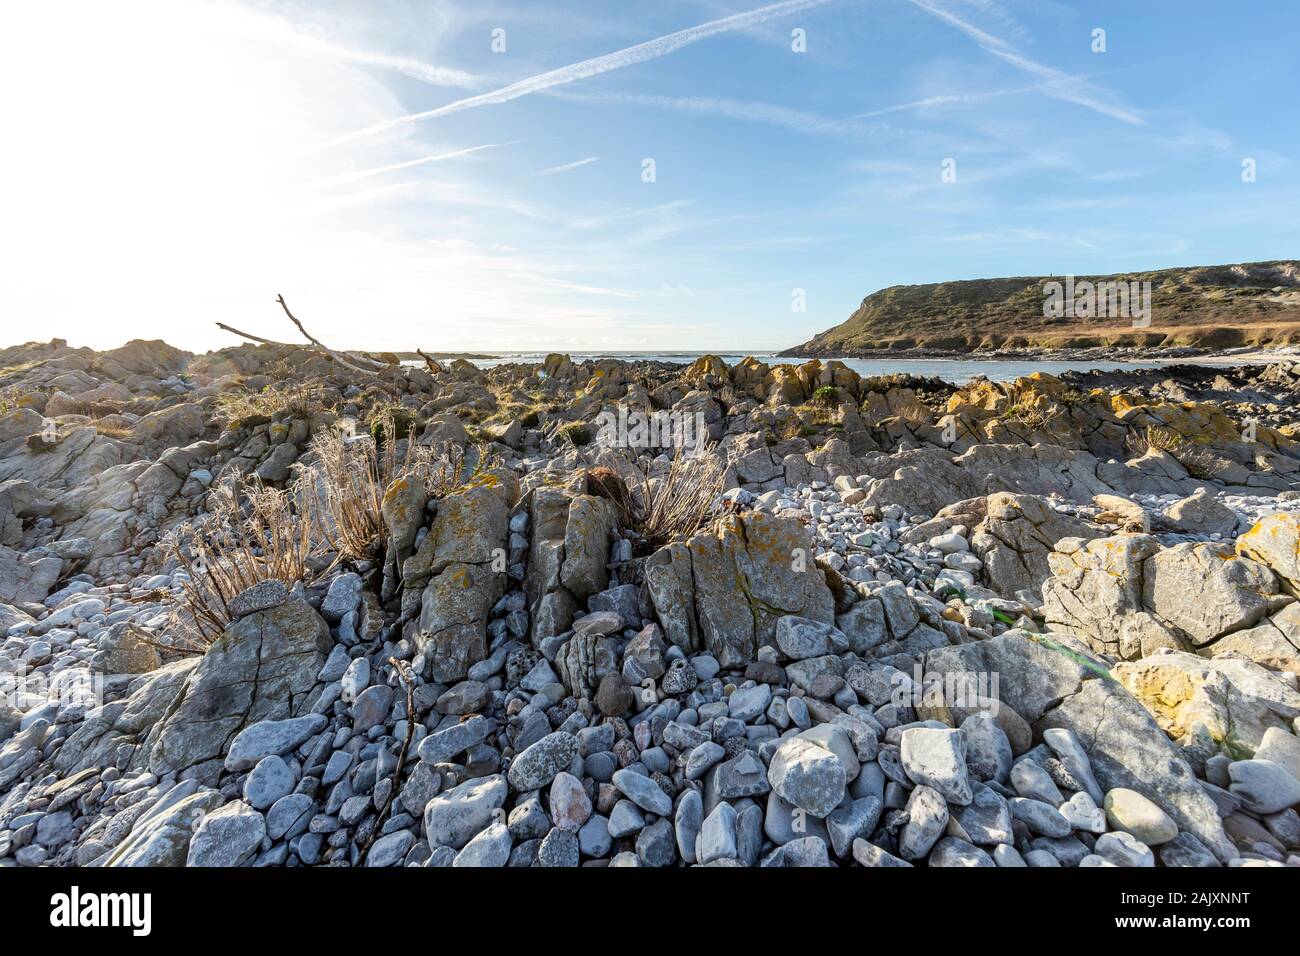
point(254, 533)
point(298, 401)
point(250, 534)
point(682, 502)
point(1199, 462)
point(1026, 408)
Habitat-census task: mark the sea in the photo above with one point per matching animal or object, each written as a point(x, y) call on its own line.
point(958, 371)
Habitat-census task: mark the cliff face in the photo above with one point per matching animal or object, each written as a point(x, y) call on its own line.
point(1255, 303)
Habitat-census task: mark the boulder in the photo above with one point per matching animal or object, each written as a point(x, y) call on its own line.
point(263, 666)
point(1127, 749)
point(725, 589)
point(1274, 541)
point(1015, 538)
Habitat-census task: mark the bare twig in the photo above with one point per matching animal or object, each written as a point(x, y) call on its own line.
point(251, 337)
point(348, 362)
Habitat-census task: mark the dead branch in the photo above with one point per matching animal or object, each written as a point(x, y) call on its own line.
point(337, 356)
point(434, 367)
point(252, 338)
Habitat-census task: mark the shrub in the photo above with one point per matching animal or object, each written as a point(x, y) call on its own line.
point(826, 396)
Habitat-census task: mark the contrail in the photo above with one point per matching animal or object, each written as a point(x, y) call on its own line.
point(551, 171)
point(940, 100)
point(393, 167)
point(650, 50)
point(1060, 85)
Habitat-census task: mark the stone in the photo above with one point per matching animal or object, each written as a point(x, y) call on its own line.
point(1082, 813)
point(687, 821)
point(800, 638)
point(680, 678)
point(161, 836)
point(1030, 780)
point(559, 848)
point(1127, 749)
point(626, 818)
point(289, 816)
point(454, 817)
point(868, 854)
point(271, 738)
point(1128, 810)
point(260, 597)
point(717, 836)
point(1200, 513)
point(725, 589)
point(270, 780)
point(537, 766)
point(1281, 748)
point(1222, 704)
point(613, 697)
point(228, 836)
point(1274, 541)
point(836, 739)
point(937, 759)
point(1124, 849)
point(950, 851)
point(593, 838)
point(702, 758)
point(570, 805)
point(985, 821)
point(1185, 850)
point(1016, 537)
point(988, 749)
point(656, 845)
point(371, 707)
point(1041, 818)
point(643, 791)
point(808, 776)
point(451, 741)
point(391, 849)
point(1263, 786)
point(746, 703)
point(927, 817)
point(263, 663)
point(1065, 744)
point(490, 847)
point(344, 595)
point(847, 823)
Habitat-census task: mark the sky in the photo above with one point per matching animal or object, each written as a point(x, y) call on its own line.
point(582, 176)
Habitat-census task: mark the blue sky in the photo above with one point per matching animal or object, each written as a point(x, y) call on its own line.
point(173, 164)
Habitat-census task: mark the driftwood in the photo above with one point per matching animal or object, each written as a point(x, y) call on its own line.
point(374, 366)
point(356, 363)
point(434, 367)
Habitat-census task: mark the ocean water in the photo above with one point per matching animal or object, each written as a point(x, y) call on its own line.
point(958, 371)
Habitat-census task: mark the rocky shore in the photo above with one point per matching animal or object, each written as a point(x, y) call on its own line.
point(261, 608)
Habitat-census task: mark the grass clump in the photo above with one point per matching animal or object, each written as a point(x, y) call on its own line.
point(667, 509)
point(250, 534)
point(1199, 462)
